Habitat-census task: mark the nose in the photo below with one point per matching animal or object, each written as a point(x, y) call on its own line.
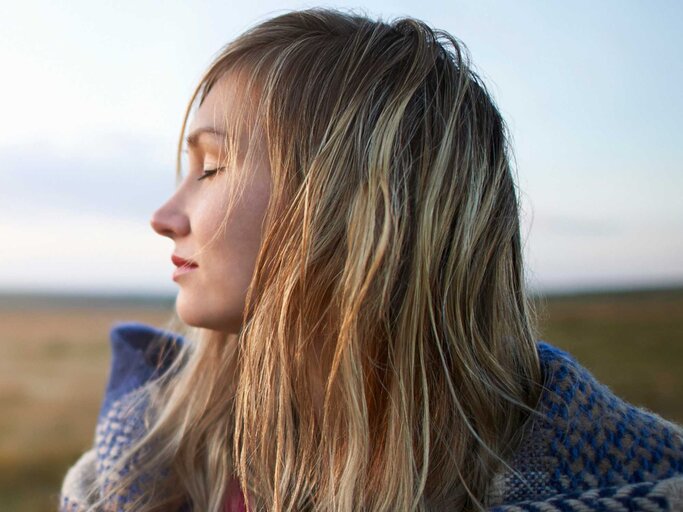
point(170, 221)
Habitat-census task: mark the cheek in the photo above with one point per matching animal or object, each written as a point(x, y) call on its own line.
point(232, 254)
point(230, 257)
point(240, 239)
point(209, 215)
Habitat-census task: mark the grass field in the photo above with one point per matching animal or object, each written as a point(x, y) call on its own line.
point(54, 362)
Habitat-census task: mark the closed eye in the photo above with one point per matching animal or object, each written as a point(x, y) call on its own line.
point(210, 172)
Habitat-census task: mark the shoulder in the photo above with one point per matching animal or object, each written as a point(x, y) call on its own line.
point(78, 480)
point(140, 353)
point(586, 439)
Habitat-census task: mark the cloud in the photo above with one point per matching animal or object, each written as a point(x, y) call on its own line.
point(78, 219)
point(65, 251)
point(563, 225)
point(117, 177)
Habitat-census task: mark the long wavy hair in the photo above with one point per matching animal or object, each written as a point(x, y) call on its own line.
point(390, 267)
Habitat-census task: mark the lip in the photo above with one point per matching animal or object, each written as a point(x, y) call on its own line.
point(184, 266)
point(178, 261)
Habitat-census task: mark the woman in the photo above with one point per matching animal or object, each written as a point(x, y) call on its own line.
point(356, 331)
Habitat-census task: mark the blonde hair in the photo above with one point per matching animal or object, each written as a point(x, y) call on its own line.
point(391, 251)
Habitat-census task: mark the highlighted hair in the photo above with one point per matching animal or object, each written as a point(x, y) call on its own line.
point(390, 268)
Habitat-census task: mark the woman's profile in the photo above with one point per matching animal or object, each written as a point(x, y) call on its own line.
point(353, 330)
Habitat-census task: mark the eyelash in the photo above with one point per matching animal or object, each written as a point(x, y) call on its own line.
point(210, 172)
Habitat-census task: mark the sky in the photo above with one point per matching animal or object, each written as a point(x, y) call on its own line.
point(93, 94)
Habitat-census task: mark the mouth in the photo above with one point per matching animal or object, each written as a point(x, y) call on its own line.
point(181, 262)
point(184, 266)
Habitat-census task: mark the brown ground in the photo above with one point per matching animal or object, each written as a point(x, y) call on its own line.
point(53, 371)
point(54, 364)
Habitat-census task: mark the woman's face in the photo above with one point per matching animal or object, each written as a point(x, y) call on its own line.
point(212, 294)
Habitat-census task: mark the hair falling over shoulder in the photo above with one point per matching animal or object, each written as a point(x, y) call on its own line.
point(390, 265)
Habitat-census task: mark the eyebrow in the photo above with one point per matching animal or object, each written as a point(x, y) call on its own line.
point(192, 139)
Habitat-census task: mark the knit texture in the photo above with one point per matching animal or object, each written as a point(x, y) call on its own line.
point(590, 450)
point(587, 450)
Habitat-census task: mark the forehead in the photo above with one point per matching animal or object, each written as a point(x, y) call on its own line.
point(225, 107)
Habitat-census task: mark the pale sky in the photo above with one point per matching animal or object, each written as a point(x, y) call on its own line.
point(93, 93)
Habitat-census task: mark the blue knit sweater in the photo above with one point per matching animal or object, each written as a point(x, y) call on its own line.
point(588, 450)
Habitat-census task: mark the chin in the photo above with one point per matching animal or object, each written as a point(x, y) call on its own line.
point(196, 316)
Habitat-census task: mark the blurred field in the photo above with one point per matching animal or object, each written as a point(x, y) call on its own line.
point(633, 342)
point(54, 362)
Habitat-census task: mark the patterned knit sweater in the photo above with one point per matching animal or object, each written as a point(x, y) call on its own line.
point(588, 451)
